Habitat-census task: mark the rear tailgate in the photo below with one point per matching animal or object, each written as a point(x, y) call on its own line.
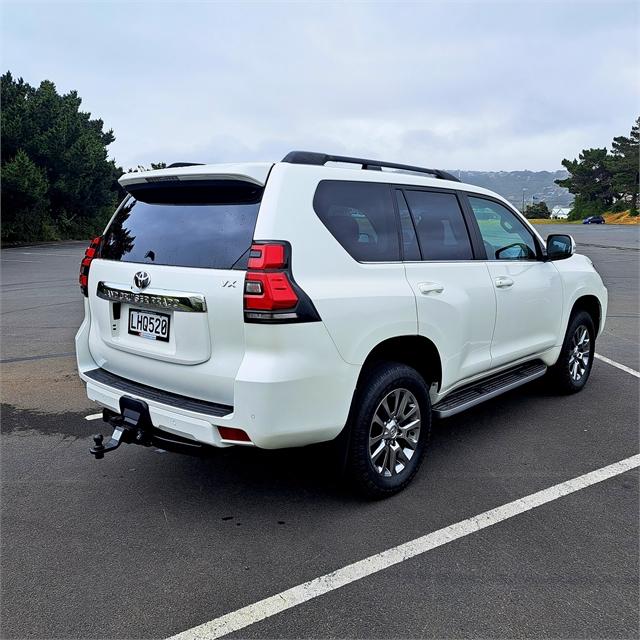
point(166, 290)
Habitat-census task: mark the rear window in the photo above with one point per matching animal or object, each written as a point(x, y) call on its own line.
point(194, 224)
point(361, 217)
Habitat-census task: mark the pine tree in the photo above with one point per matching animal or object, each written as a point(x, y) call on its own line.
point(62, 150)
point(24, 199)
point(624, 165)
point(603, 181)
point(590, 180)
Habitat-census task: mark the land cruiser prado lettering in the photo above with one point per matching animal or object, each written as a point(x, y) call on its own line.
point(323, 298)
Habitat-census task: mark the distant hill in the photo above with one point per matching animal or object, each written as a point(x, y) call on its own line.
point(509, 184)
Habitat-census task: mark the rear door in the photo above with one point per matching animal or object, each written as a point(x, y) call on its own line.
point(454, 296)
point(528, 290)
point(166, 293)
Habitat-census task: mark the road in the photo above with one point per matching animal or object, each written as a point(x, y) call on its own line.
point(145, 544)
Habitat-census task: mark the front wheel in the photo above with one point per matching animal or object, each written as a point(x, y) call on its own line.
point(390, 426)
point(572, 370)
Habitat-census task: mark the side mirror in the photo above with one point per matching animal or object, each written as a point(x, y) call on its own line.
point(560, 246)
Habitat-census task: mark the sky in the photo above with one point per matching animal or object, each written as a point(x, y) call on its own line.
point(456, 85)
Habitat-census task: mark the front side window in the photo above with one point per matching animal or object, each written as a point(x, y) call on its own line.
point(361, 217)
point(440, 225)
point(503, 235)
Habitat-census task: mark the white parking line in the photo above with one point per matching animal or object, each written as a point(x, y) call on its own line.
point(622, 367)
point(93, 416)
point(268, 607)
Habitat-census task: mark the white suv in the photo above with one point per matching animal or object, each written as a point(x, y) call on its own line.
point(323, 298)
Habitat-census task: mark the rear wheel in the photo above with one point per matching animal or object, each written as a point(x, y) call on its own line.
point(390, 427)
point(572, 370)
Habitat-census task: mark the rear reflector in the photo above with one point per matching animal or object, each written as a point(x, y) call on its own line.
point(237, 435)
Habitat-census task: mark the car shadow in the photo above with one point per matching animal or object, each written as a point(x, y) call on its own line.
point(289, 474)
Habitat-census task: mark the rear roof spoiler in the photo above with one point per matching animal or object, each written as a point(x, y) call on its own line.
point(253, 172)
point(173, 165)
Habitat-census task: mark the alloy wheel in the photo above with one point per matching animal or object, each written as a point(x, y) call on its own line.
point(394, 432)
point(579, 353)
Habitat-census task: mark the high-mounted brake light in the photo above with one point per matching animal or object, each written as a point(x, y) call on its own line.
point(270, 292)
point(89, 254)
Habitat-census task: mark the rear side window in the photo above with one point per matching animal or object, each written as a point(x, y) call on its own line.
point(361, 217)
point(440, 225)
point(193, 224)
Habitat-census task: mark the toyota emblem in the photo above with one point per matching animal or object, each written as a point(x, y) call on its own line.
point(142, 280)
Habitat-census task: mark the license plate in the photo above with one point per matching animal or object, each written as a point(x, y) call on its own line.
point(149, 325)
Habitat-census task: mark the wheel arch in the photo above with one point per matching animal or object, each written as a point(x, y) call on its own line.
point(415, 351)
point(590, 304)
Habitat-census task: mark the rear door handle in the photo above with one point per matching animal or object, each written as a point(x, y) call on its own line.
point(502, 282)
point(426, 288)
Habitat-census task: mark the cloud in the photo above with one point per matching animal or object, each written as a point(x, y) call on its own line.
point(484, 85)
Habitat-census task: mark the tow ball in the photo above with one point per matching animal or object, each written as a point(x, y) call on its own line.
point(131, 425)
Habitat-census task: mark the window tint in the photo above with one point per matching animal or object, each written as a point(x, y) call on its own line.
point(361, 217)
point(441, 229)
point(504, 236)
point(191, 225)
point(410, 248)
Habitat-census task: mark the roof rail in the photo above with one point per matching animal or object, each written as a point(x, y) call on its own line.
point(175, 165)
point(310, 157)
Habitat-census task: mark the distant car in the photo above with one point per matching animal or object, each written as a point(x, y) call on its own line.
point(594, 220)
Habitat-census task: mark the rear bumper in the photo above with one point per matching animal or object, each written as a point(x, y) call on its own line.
point(192, 425)
point(289, 391)
point(174, 400)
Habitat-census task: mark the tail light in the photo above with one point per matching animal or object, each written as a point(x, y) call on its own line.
point(270, 293)
point(90, 253)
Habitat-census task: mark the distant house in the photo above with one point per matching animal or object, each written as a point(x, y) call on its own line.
point(560, 213)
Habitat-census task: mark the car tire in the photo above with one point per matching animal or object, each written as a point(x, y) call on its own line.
point(390, 425)
point(573, 367)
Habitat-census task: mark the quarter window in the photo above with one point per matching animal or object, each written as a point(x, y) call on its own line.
point(360, 216)
point(503, 235)
point(440, 225)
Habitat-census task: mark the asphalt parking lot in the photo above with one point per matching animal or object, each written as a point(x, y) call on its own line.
point(145, 544)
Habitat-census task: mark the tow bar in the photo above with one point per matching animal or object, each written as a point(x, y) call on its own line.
point(132, 425)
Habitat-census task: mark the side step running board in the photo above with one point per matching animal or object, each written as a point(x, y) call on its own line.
point(473, 394)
